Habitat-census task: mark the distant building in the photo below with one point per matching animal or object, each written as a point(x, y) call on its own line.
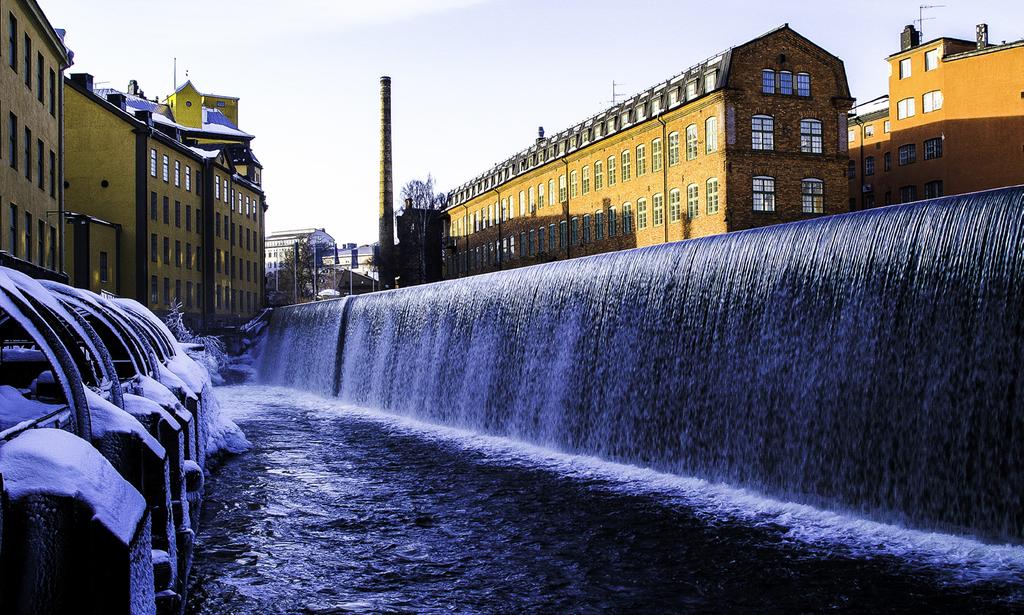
point(419, 246)
point(31, 155)
point(280, 245)
point(365, 255)
point(165, 202)
point(953, 122)
point(753, 136)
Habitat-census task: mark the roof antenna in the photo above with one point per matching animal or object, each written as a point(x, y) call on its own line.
point(175, 75)
point(921, 18)
point(615, 93)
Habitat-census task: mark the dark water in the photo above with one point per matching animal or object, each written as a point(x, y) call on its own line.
point(338, 511)
point(870, 362)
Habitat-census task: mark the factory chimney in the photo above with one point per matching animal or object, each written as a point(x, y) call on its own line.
point(385, 267)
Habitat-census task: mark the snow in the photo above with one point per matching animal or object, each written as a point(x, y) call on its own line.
point(141, 408)
point(16, 409)
point(108, 418)
point(55, 462)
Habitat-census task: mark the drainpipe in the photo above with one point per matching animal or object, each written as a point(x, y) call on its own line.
point(568, 193)
point(501, 218)
point(664, 175)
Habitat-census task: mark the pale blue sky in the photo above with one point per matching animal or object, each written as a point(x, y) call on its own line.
point(472, 79)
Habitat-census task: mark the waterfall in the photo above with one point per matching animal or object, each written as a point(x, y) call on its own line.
point(871, 362)
point(301, 348)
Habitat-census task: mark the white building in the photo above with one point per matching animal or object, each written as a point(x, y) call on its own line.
point(280, 244)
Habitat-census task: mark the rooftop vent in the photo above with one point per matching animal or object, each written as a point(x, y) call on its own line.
point(982, 31)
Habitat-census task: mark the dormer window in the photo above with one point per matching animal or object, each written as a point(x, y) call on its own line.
point(691, 89)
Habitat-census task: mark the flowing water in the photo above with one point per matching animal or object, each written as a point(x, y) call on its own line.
point(344, 510)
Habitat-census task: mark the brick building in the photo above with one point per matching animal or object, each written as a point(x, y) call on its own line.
point(753, 136)
point(953, 122)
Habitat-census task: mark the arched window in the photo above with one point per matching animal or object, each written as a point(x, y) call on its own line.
point(598, 225)
point(711, 134)
point(673, 148)
point(598, 175)
point(810, 136)
point(764, 193)
point(692, 201)
point(813, 195)
point(711, 194)
point(612, 167)
point(613, 223)
point(673, 205)
point(658, 210)
point(586, 179)
point(573, 183)
point(691, 141)
point(641, 160)
point(627, 218)
point(803, 84)
point(762, 132)
point(625, 165)
point(768, 81)
point(641, 214)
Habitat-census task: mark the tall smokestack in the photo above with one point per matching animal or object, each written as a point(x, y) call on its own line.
point(387, 209)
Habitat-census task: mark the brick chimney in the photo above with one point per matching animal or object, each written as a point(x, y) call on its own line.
point(982, 31)
point(83, 79)
point(910, 38)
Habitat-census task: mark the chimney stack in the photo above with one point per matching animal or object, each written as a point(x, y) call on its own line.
point(982, 31)
point(387, 207)
point(910, 38)
point(83, 79)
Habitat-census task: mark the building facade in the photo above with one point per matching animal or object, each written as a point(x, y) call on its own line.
point(32, 63)
point(753, 136)
point(185, 199)
point(952, 122)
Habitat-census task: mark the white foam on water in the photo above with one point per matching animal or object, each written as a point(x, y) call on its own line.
point(961, 560)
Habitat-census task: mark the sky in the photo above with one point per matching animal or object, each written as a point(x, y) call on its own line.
point(471, 79)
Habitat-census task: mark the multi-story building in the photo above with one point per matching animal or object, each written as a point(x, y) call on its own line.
point(32, 62)
point(166, 208)
point(280, 246)
point(953, 122)
point(754, 136)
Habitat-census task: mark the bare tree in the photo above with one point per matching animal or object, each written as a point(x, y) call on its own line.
point(422, 194)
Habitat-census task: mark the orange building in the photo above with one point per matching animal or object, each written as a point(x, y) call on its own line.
point(953, 122)
point(753, 136)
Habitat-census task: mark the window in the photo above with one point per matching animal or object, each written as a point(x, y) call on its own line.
point(851, 169)
point(710, 81)
point(656, 160)
point(611, 170)
point(933, 148)
point(167, 291)
point(711, 134)
point(177, 254)
point(177, 214)
point(869, 131)
point(586, 228)
point(533, 197)
point(613, 222)
point(153, 249)
point(851, 135)
point(41, 241)
point(152, 162)
point(28, 237)
point(711, 195)
point(153, 207)
point(12, 48)
point(869, 166)
point(167, 210)
point(692, 201)
point(188, 255)
point(691, 89)
point(641, 213)
point(803, 84)
point(810, 136)
point(53, 174)
point(12, 237)
point(691, 141)
point(673, 205)
point(886, 125)
point(551, 235)
point(12, 135)
point(625, 160)
point(40, 71)
point(598, 175)
point(931, 101)
point(905, 68)
point(177, 173)
point(40, 165)
point(673, 148)
point(908, 154)
point(931, 59)
point(28, 64)
point(28, 154)
point(53, 93)
point(933, 189)
point(572, 184)
point(188, 178)
point(658, 210)
point(541, 233)
point(561, 234)
point(551, 192)
point(586, 179)
point(764, 193)
point(627, 218)
point(641, 160)
point(785, 82)
point(154, 290)
point(762, 132)
point(561, 189)
point(887, 161)
point(216, 182)
point(908, 194)
point(768, 81)
point(813, 193)
point(905, 108)
point(167, 251)
point(598, 225)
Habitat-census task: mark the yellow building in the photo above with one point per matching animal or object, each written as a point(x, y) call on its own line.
point(188, 208)
point(753, 136)
point(31, 128)
point(953, 122)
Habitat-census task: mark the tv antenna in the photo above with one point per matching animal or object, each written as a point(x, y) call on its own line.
point(615, 92)
point(921, 18)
